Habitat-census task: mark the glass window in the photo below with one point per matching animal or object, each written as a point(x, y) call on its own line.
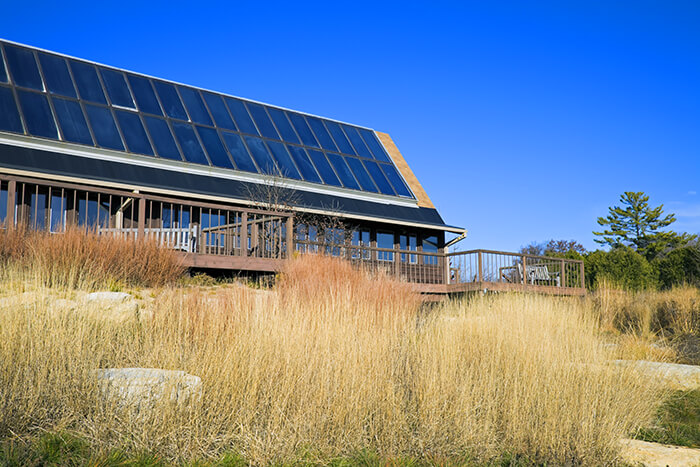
point(357, 142)
point(195, 106)
point(303, 130)
point(343, 171)
point(218, 111)
point(87, 82)
point(72, 121)
point(23, 67)
point(283, 125)
point(103, 127)
point(361, 238)
point(385, 240)
point(3, 72)
point(238, 151)
point(170, 100)
point(340, 139)
point(304, 163)
point(322, 134)
point(37, 114)
point(361, 174)
point(162, 138)
point(261, 155)
point(134, 134)
point(408, 243)
point(324, 168)
point(241, 116)
point(379, 177)
point(38, 204)
point(393, 175)
point(9, 115)
point(284, 161)
point(189, 143)
point(57, 76)
point(212, 143)
point(144, 95)
point(117, 89)
point(3, 201)
point(430, 245)
point(374, 145)
point(267, 129)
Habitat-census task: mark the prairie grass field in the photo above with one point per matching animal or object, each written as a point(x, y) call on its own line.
point(330, 366)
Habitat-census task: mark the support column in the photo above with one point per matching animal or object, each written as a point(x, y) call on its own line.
point(244, 234)
point(290, 236)
point(11, 193)
point(142, 219)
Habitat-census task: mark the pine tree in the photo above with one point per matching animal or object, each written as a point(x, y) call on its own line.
point(637, 225)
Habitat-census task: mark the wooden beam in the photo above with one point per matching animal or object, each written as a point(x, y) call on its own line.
point(11, 194)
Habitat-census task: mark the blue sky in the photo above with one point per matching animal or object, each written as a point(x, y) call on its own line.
point(523, 120)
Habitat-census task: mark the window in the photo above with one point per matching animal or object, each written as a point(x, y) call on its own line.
point(408, 243)
point(385, 240)
point(430, 245)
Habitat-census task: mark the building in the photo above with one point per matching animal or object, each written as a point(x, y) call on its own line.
point(229, 182)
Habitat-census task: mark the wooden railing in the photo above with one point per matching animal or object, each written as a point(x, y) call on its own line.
point(513, 271)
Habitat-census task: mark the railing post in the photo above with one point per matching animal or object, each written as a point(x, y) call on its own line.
point(583, 282)
point(142, 219)
point(524, 272)
point(244, 234)
point(563, 274)
point(480, 272)
point(11, 193)
point(290, 236)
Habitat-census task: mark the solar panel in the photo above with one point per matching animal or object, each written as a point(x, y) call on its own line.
point(50, 96)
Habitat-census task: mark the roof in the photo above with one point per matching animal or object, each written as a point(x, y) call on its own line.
point(122, 125)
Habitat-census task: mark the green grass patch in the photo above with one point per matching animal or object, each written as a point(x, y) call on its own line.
point(678, 421)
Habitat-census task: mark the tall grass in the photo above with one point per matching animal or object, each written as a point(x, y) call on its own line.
point(82, 259)
point(330, 363)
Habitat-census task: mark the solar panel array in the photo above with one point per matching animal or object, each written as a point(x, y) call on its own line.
point(50, 96)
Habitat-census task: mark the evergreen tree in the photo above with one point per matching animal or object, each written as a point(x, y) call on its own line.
point(637, 225)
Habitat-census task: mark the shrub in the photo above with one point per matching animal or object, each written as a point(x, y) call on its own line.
point(680, 266)
point(622, 267)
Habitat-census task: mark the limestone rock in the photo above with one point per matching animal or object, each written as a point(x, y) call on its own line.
point(676, 375)
point(116, 307)
point(658, 455)
point(143, 387)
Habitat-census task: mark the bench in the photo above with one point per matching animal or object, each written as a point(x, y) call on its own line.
point(539, 273)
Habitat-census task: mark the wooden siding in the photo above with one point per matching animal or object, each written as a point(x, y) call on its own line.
point(408, 175)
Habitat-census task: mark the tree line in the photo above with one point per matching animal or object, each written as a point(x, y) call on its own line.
point(643, 252)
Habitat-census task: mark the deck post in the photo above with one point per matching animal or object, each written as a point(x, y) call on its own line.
point(524, 272)
point(11, 193)
point(479, 273)
point(583, 282)
point(142, 219)
point(563, 274)
point(290, 236)
point(244, 234)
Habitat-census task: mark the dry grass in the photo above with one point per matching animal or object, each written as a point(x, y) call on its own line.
point(331, 363)
point(651, 325)
point(79, 259)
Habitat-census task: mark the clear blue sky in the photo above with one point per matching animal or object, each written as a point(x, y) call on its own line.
point(524, 121)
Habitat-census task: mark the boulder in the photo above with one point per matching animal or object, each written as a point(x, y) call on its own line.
point(113, 297)
point(144, 387)
point(648, 454)
point(117, 307)
point(675, 375)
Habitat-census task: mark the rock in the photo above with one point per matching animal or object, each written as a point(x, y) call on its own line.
point(114, 297)
point(676, 375)
point(143, 387)
point(654, 454)
point(117, 307)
